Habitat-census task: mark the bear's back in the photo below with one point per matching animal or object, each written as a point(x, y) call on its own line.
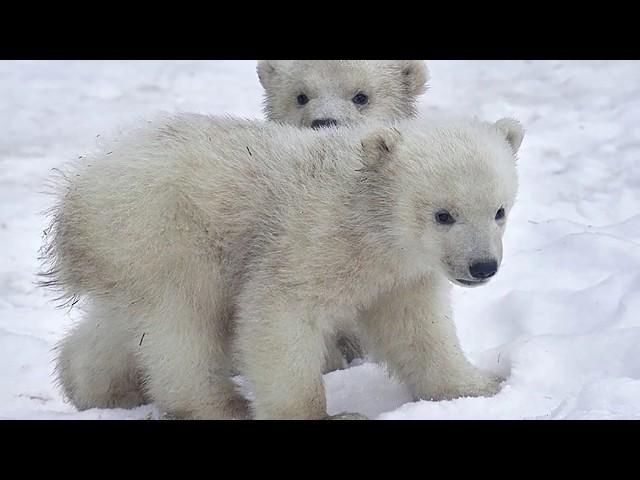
point(183, 191)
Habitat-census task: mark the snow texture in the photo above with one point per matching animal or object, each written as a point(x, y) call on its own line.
point(561, 320)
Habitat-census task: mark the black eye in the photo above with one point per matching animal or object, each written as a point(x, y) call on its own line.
point(360, 99)
point(302, 99)
point(500, 214)
point(444, 218)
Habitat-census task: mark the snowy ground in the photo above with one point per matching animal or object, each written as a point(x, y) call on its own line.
point(562, 318)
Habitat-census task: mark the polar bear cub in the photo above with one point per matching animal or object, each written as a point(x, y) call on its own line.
point(198, 242)
point(321, 93)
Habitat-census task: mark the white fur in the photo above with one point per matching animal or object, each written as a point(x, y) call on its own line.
point(392, 87)
point(200, 242)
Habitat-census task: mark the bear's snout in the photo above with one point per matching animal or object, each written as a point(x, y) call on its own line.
point(484, 269)
point(324, 122)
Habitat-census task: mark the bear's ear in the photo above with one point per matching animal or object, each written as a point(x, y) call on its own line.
point(378, 147)
point(512, 131)
point(268, 70)
point(415, 75)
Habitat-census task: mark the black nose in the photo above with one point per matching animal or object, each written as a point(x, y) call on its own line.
point(324, 122)
point(483, 270)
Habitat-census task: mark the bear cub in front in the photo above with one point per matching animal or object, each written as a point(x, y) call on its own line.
point(200, 243)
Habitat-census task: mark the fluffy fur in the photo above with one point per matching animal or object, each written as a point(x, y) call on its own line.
point(392, 88)
point(201, 242)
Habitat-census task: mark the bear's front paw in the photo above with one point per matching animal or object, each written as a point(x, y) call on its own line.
point(489, 385)
point(474, 384)
point(479, 384)
point(347, 416)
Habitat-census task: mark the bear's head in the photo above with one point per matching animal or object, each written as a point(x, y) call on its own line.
point(325, 93)
point(440, 195)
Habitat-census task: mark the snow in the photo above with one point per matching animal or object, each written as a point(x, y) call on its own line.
point(561, 320)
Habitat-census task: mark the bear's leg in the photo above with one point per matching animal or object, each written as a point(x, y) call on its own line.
point(281, 353)
point(185, 353)
point(334, 357)
point(410, 328)
point(349, 343)
point(95, 366)
point(343, 347)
